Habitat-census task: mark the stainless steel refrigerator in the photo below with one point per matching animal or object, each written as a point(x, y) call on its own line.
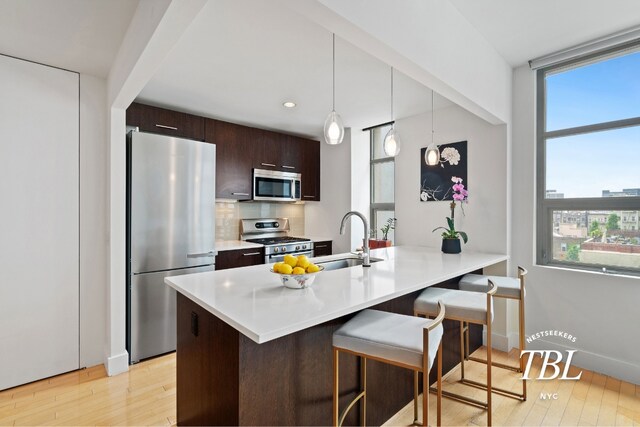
point(170, 232)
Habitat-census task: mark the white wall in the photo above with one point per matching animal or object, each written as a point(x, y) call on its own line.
point(94, 232)
point(322, 219)
point(436, 46)
point(600, 310)
point(486, 212)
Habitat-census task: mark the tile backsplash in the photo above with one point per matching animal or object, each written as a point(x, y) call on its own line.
point(229, 214)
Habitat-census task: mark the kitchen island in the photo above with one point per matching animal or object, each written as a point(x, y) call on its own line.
point(251, 352)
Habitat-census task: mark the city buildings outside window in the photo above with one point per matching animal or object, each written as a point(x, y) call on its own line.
point(588, 157)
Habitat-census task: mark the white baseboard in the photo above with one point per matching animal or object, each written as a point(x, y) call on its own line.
point(499, 342)
point(601, 364)
point(117, 364)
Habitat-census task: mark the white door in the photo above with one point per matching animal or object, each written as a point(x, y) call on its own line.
point(39, 221)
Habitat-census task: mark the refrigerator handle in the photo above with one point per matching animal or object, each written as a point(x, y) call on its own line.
point(203, 254)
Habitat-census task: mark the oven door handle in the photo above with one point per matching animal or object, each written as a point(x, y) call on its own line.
point(270, 258)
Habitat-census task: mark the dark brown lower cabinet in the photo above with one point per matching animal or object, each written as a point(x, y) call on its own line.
point(225, 378)
point(239, 258)
point(323, 248)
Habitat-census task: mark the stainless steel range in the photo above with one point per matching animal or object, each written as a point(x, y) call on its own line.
point(273, 233)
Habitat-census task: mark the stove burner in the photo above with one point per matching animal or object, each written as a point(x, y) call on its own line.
point(277, 240)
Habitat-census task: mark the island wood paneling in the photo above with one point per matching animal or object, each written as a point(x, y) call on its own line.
point(225, 378)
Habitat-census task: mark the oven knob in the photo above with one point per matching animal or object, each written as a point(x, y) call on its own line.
point(304, 246)
point(297, 248)
point(276, 250)
point(283, 249)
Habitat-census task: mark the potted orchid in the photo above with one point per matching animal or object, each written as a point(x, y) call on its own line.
point(451, 236)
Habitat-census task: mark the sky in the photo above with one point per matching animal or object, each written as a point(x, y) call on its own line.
point(584, 165)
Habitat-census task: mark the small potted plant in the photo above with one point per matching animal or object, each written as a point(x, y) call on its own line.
point(374, 243)
point(451, 236)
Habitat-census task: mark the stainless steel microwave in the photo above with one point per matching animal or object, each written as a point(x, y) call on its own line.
point(276, 186)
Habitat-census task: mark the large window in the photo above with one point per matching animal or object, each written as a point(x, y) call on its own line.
point(382, 182)
point(588, 162)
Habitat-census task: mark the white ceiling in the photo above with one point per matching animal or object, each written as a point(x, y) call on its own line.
point(241, 59)
point(521, 30)
point(78, 35)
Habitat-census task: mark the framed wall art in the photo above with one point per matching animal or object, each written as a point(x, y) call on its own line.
point(436, 181)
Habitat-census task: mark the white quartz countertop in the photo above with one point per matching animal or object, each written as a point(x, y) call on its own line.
point(232, 245)
point(253, 300)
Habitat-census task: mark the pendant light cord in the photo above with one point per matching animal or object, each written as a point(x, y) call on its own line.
point(433, 113)
point(392, 93)
point(334, 72)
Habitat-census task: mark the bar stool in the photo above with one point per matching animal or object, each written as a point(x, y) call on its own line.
point(396, 339)
point(509, 288)
point(464, 307)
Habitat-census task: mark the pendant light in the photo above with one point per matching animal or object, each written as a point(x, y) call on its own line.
point(333, 127)
point(391, 144)
point(432, 155)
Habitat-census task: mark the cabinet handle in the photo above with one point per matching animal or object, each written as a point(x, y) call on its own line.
point(319, 246)
point(240, 194)
point(308, 197)
point(268, 164)
point(288, 167)
point(251, 253)
point(166, 127)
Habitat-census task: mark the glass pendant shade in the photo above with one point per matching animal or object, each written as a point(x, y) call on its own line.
point(391, 144)
point(333, 129)
point(432, 155)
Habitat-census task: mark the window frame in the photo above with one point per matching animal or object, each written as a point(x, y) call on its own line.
point(546, 206)
point(375, 207)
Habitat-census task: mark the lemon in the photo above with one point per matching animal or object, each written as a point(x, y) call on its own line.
point(290, 260)
point(303, 261)
point(285, 269)
point(276, 267)
point(299, 270)
point(312, 268)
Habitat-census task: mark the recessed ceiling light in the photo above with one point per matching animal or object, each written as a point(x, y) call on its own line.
point(289, 104)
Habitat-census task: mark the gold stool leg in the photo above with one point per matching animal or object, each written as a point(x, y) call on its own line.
point(489, 351)
point(439, 398)
point(416, 391)
point(335, 387)
point(363, 381)
point(462, 350)
point(522, 346)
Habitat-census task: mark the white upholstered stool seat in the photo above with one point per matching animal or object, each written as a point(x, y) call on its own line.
point(470, 306)
point(406, 341)
point(389, 336)
point(508, 287)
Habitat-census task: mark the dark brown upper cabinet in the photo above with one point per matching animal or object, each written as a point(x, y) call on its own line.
point(165, 122)
point(310, 169)
point(234, 158)
point(276, 151)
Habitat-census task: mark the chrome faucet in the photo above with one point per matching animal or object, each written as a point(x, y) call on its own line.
point(365, 240)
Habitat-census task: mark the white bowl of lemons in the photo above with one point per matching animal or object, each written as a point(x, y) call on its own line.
point(296, 272)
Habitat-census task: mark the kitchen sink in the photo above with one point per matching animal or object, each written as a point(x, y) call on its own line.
point(337, 264)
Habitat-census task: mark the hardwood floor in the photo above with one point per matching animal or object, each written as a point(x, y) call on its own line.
point(593, 400)
point(146, 396)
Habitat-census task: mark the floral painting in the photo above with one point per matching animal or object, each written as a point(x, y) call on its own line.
point(435, 181)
